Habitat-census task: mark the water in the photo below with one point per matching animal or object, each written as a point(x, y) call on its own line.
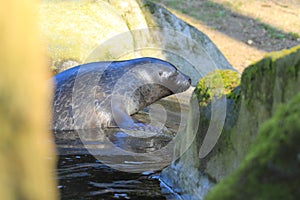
point(94, 169)
point(84, 177)
point(82, 173)
point(111, 164)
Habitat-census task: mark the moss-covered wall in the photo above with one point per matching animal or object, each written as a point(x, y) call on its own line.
point(264, 86)
point(186, 175)
point(26, 150)
point(271, 169)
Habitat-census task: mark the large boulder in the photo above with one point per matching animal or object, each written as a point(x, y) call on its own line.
point(72, 29)
point(86, 31)
point(264, 86)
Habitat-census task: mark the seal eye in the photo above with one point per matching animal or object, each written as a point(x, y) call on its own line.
point(160, 73)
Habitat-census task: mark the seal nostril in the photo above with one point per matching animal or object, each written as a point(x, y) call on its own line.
point(188, 78)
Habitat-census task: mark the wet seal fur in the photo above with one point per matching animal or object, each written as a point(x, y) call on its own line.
point(105, 94)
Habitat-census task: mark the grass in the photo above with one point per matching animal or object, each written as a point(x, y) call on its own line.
point(277, 34)
point(212, 14)
point(205, 11)
point(294, 36)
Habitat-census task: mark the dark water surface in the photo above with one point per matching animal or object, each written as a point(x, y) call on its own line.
point(84, 177)
point(82, 174)
point(115, 165)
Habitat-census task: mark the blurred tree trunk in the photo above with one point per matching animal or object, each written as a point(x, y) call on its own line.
point(26, 147)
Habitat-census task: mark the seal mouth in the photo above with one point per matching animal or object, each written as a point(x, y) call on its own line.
point(189, 80)
point(184, 85)
point(183, 88)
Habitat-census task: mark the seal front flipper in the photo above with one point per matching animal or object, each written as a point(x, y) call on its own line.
point(147, 130)
point(120, 118)
point(125, 121)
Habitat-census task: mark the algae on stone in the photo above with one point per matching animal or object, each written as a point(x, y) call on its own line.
point(264, 86)
point(185, 175)
point(217, 84)
point(271, 169)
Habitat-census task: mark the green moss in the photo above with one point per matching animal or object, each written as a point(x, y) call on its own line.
point(271, 169)
point(277, 67)
point(217, 84)
point(235, 94)
point(294, 36)
point(283, 53)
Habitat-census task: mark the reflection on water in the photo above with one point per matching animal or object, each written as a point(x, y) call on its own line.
point(138, 145)
point(84, 177)
point(118, 149)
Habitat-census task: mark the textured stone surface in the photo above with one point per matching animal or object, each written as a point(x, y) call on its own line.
point(86, 31)
point(264, 86)
point(271, 169)
point(72, 29)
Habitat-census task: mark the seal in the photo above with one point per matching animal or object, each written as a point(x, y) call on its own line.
point(105, 94)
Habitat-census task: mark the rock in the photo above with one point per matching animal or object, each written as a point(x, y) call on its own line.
point(271, 169)
point(184, 175)
point(264, 86)
point(72, 29)
point(88, 31)
point(250, 42)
